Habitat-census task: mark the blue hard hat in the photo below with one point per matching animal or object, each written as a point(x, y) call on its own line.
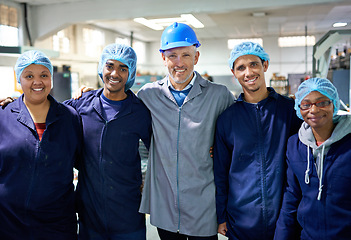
point(178, 35)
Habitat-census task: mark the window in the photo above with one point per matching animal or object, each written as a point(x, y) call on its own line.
point(61, 42)
point(234, 42)
point(94, 41)
point(140, 50)
point(122, 41)
point(8, 36)
point(138, 46)
point(8, 26)
point(296, 41)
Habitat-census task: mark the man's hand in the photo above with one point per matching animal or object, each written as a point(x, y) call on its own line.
point(81, 90)
point(5, 101)
point(222, 228)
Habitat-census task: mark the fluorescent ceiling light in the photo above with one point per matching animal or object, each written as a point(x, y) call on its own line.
point(148, 23)
point(192, 20)
point(161, 23)
point(296, 41)
point(165, 22)
point(258, 14)
point(339, 24)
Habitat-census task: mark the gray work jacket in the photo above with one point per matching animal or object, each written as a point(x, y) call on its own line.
point(179, 191)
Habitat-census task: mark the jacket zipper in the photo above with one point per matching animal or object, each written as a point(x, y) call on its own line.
point(102, 176)
point(33, 173)
point(262, 169)
point(180, 110)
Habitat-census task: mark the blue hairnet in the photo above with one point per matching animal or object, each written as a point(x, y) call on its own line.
point(122, 53)
point(247, 48)
point(32, 57)
point(322, 85)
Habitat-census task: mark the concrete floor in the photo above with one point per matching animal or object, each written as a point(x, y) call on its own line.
point(151, 232)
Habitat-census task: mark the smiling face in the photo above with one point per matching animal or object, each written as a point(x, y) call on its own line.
point(180, 63)
point(249, 70)
point(317, 117)
point(36, 83)
point(115, 75)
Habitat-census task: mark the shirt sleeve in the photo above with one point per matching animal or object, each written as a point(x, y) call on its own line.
point(287, 226)
point(146, 137)
point(230, 98)
point(221, 164)
point(295, 124)
point(71, 102)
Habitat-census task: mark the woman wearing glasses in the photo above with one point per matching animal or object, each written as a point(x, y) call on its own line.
point(317, 198)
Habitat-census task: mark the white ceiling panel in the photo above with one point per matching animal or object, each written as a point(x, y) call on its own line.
point(222, 18)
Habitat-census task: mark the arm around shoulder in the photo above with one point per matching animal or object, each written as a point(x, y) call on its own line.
point(221, 165)
point(225, 97)
point(287, 226)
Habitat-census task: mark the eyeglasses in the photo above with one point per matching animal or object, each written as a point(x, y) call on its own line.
point(320, 104)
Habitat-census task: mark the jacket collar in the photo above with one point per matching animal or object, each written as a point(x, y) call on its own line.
point(272, 94)
point(125, 110)
point(24, 116)
point(196, 90)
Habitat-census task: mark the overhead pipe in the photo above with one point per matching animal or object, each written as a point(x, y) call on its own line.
point(25, 5)
point(131, 38)
point(306, 50)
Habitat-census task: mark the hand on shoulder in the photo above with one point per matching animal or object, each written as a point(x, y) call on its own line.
point(5, 101)
point(80, 91)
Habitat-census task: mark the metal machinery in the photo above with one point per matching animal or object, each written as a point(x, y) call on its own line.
point(336, 70)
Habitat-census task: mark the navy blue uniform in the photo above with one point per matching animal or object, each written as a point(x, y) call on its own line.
point(110, 174)
point(249, 166)
point(36, 177)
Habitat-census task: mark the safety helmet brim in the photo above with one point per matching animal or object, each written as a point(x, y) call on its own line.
point(179, 44)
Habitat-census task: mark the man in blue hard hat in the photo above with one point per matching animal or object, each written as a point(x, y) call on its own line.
point(179, 190)
point(250, 144)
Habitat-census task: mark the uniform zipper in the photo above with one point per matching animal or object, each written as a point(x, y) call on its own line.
point(180, 110)
point(33, 173)
point(262, 169)
point(102, 176)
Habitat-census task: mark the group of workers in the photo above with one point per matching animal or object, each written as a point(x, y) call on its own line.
point(280, 167)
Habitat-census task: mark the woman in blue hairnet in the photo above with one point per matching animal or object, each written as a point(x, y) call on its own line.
point(317, 200)
point(114, 120)
point(40, 142)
